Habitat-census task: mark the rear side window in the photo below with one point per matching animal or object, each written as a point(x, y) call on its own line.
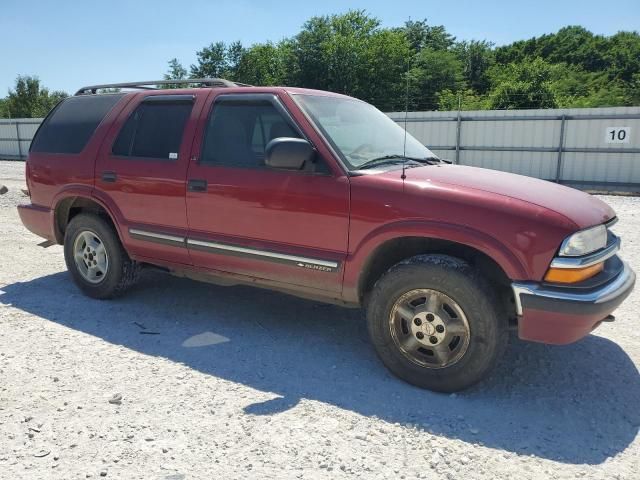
point(155, 128)
point(71, 124)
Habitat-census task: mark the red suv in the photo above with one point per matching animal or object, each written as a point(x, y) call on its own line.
point(322, 196)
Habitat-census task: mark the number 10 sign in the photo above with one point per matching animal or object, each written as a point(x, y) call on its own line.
point(617, 134)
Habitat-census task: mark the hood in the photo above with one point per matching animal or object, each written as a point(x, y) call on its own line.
point(579, 207)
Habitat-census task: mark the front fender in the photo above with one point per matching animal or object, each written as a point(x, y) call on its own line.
point(357, 260)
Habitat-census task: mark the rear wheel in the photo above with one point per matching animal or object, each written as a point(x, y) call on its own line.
point(435, 323)
point(90, 256)
point(96, 259)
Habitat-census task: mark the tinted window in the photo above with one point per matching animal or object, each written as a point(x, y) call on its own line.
point(238, 132)
point(70, 125)
point(154, 130)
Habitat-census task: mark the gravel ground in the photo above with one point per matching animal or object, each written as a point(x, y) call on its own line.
point(242, 383)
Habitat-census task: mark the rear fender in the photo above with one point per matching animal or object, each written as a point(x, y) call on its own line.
point(88, 193)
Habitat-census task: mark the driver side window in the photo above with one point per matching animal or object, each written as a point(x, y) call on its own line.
point(238, 132)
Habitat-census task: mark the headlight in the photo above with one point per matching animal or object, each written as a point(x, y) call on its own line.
point(584, 242)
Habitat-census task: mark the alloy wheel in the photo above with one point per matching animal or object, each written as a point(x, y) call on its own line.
point(429, 328)
point(90, 255)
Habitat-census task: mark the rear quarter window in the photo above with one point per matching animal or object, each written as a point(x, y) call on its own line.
point(68, 128)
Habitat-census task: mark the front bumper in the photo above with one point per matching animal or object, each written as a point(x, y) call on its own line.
point(564, 315)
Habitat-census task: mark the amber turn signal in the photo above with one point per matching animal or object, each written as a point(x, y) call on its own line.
point(572, 275)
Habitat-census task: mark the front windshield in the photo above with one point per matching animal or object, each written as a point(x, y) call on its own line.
point(359, 131)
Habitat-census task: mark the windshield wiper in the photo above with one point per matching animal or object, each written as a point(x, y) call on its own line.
point(397, 158)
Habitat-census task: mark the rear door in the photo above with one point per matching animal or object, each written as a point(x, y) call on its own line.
point(141, 172)
point(289, 227)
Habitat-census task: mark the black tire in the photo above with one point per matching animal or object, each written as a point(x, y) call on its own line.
point(487, 325)
point(121, 273)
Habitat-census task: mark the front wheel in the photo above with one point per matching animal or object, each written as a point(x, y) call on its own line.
point(435, 323)
point(95, 258)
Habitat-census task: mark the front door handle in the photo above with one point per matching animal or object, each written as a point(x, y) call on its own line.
point(109, 177)
point(197, 185)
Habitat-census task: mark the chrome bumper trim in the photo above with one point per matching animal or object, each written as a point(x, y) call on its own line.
point(623, 281)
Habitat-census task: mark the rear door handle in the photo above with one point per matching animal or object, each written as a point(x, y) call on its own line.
point(109, 177)
point(197, 185)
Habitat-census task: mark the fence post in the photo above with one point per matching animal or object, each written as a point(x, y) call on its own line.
point(19, 142)
point(458, 128)
point(560, 149)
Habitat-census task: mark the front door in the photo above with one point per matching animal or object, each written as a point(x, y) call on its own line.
point(289, 227)
point(141, 172)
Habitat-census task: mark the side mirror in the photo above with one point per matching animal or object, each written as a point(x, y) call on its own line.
point(288, 153)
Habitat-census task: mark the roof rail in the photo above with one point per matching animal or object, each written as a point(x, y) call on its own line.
point(153, 84)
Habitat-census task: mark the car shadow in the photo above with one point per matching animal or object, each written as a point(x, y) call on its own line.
point(573, 404)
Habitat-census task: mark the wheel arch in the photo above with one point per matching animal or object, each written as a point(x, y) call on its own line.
point(68, 207)
point(397, 249)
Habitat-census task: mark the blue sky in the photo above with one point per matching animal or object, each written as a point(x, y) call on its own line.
point(70, 43)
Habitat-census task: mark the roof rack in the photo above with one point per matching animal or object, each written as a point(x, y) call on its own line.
point(153, 84)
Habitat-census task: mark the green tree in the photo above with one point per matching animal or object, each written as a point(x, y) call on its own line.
point(287, 55)
point(234, 54)
point(573, 45)
point(434, 66)
point(29, 99)
point(612, 95)
point(351, 53)
point(262, 64)
point(633, 90)
point(623, 56)
point(461, 100)
point(523, 85)
point(4, 108)
point(432, 72)
point(212, 61)
point(577, 46)
point(588, 70)
point(477, 58)
point(421, 35)
point(386, 59)
point(331, 51)
point(574, 87)
point(176, 71)
point(218, 61)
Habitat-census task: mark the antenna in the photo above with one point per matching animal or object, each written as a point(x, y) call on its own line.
point(406, 110)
